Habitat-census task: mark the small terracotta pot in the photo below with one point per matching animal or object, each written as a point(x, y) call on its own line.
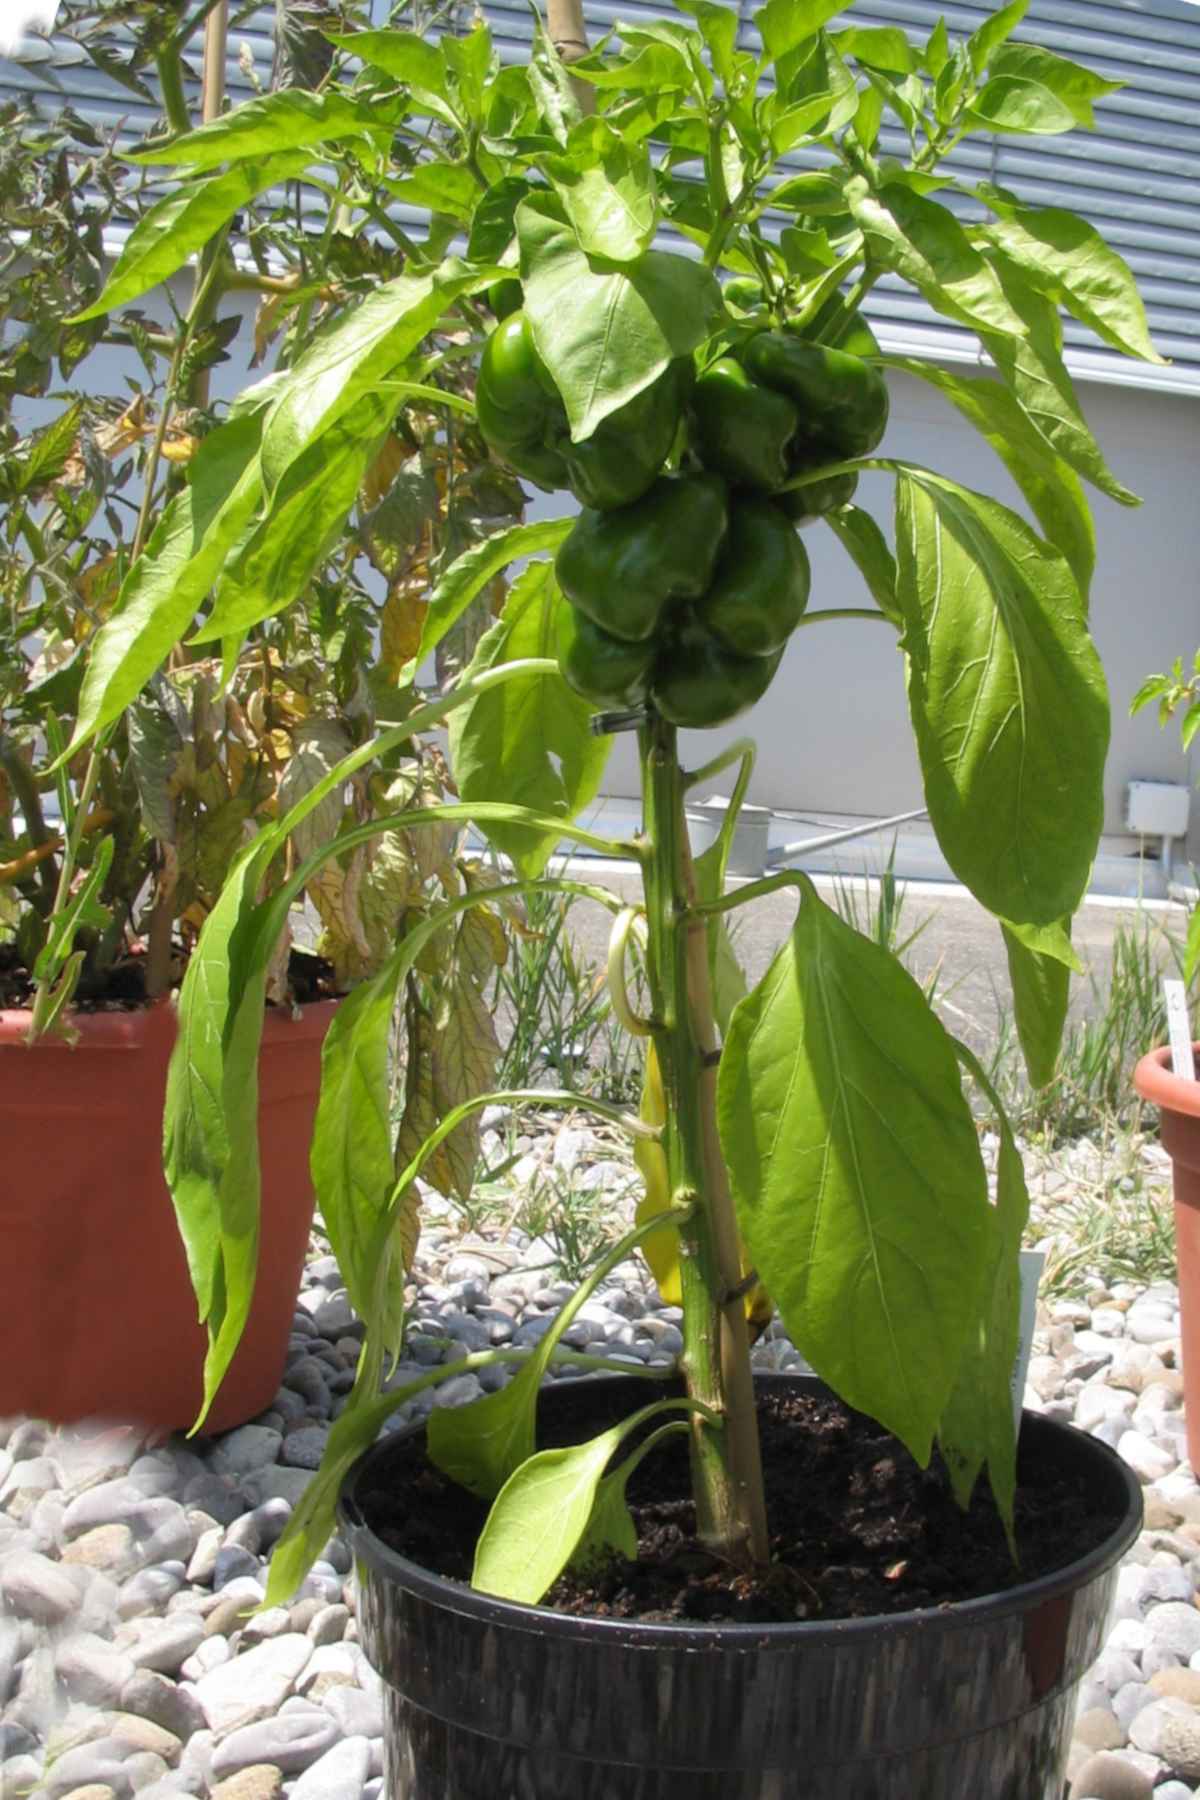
point(1178, 1101)
point(97, 1314)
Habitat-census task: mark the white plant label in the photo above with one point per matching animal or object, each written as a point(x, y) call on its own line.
point(1032, 1264)
point(1179, 1030)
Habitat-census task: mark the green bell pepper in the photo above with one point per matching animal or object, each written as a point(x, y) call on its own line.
point(622, 569)
point(627, 450)
point(740, 428)
point(519, 412)
point(762, 581)
point(698, 683)
point(606, 670)
point(842, 401)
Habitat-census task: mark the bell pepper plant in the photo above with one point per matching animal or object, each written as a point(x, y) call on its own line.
point(811, 1139)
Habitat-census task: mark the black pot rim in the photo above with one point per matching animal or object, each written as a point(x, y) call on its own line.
point(488, 1609)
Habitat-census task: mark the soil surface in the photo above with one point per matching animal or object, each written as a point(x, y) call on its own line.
point(122, 988)
point(857, 1528)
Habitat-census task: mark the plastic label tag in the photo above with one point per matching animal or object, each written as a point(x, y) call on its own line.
point(1179, 1030)
point(1032, 1264)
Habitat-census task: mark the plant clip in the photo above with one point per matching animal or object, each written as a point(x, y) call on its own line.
point(608, 724)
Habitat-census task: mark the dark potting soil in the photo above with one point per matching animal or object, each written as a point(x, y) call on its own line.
point(857, 1528)
point(123, 988)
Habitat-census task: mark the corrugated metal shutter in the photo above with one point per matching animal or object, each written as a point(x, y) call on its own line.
point(1134, 176)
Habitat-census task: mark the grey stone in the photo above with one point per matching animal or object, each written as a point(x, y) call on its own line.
point(1179, 1743)
point(1175, 1627)
point(335, 1317)
point(35, 1588)
point(204, 1557)
point(144, 1769)
point(1172, 1790)
point(292, 1742)
point(148, 1592)
point(329, 1625)
point(215, 1494)
point(1108, 1776)
point(262, 1625)
point(242, 1452)
point(103, 1761)
point(359, 1714)
point(156, 1474)
point(254, 1685)
point(91, 1670)
point(232, 1562)
point(460, 1390)
point(165, 1703)
point(20, 1775)
point(1148, 1460)
point(304, 1447)
point(15, 1740)
point(338, 1775)
point(195, 1764)
point(1146, 1730)
point(307, 1377)
point(1099, 1729)
point(277, 1484)
point(165, 1645)
point(1129, 1701)
point(271, 1518)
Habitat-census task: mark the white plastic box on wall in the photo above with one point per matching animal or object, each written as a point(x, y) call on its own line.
point(1157, 808)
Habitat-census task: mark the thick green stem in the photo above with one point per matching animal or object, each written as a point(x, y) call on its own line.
point(726, 1469)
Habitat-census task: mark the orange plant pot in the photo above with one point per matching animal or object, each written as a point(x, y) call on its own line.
point(1178, 1101)
point(98, 1318)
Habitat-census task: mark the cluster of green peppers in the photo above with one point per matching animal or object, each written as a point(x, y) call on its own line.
point(684, 587)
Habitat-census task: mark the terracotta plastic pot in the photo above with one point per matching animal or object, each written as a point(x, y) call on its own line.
point(98, 1317)
point(1178, 1101)
point(486, 1700)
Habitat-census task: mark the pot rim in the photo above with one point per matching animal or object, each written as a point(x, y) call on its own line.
point(127, 1028)
point(487, 1609)
point(1155, 1080)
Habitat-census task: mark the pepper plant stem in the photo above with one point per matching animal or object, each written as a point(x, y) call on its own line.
point(726, 1468)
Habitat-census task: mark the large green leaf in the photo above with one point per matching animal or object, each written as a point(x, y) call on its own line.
point(785, 24)
point(977, 1425)
point(1010, 103)
point(606, 332)
point(303, 522)
point(291, 120)
point(1007, 697)
point(607, 190)
point(1053, 490)
point(922, 241)
point(183, 558)
point(1040, 963)
point(1070, 83)
point(1068, 261)
point(470, 573)
point(354, 354)
point(184, 222)
point(856, 1171)
point(542, 1514)
point(863, 541)
point(528, 741)
point(995, 30)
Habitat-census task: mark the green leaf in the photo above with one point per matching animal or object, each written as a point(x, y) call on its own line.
point(1008, 103)
point(1067, 260)
point(50, 450)
point(882, 47)
point(352, 1150)
point(977, 1425)
point(542, 1514)
point(304, 520)
point(400, 54)
point(1191, 957)
point(856, 1171)
point(865, 544)
point(606, 333)
point(183, 223)
point(353, 354)
point(983, 44)
point(468, 63)
point(291, 120)
point(937, 49)
point(470, 573)
point(607, 190)
point(654, 68)
point(480, 1445)
point(441, 187)
point(528, 741)
point(1052, 489)
point(725, 972)
point(1075, 86)
point(1150, 689)
point(82, 909)
point(1040, 961)
point(922, 241)
point(1034, 369)
point(494, 225)
point(185, 554)
point(1007, 698)
point(784, 24)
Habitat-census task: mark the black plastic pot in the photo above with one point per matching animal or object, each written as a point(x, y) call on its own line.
point(486, 1700)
